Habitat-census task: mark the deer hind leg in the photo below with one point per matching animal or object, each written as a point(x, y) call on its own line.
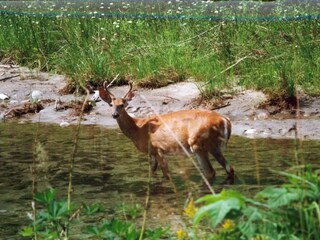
point(163, 164)
point(154, 164)
point(216, 152)
point(203, 159)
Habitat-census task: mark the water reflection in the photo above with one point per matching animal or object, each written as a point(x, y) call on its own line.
point(109, 170)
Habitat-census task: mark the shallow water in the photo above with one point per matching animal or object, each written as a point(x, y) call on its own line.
point(109, 170)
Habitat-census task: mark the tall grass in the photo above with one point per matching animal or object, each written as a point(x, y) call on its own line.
point(272, 56)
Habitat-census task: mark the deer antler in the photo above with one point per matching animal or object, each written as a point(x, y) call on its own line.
point(105, 87)
point(130, 90)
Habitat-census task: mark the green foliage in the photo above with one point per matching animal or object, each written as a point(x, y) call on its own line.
point(287, 212)
point(55, 221)
point(219, 206)
point(92, 209)
point(273, 56)
point(114, 229)
point(132, 211)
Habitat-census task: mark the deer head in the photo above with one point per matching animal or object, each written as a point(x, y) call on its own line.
point(118, 104)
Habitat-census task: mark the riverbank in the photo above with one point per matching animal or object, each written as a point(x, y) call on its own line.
point(242, 107)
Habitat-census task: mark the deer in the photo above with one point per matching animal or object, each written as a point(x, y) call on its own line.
point(200, 131)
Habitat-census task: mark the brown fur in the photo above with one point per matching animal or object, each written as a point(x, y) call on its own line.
point(199, 131)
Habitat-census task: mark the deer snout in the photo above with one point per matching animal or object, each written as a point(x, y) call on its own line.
point(115, 115)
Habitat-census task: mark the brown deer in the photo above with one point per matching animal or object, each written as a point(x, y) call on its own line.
point(199, 131)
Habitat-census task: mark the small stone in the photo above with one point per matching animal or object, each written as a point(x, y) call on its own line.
point(262, 115)
point(36, 95)
point(96, 97)
point(64, 124)
point(250, 132)
point(4, 96)
point(265, 134)
point(13, 102)
point(282, 131)
point(227, 96)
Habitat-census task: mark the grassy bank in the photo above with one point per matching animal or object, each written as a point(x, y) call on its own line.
point(272, 56)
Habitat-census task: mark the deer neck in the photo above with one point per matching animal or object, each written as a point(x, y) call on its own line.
point(137, 132)
point(128, 126)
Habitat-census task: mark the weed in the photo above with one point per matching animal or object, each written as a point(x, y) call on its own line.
point(55, 220)
point(287, 212)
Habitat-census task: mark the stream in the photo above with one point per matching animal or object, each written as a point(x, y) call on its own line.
point(110, 171)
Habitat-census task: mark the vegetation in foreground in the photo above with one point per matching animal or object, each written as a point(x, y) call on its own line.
point(275, 56)
point(55, 220)
point(291, 211)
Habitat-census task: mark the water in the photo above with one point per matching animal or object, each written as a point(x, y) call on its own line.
point(110, 171)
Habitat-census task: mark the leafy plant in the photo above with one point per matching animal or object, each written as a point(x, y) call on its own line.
point(132, 211)
point(55, 221)
point(287, 212)
point(114, 229)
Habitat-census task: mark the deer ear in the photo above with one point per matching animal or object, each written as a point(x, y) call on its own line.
point(105, 96)
point(129, 96)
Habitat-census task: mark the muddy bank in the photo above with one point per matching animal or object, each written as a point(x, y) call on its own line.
point(20, 88)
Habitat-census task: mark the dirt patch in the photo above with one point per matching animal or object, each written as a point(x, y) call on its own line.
point(24, 88)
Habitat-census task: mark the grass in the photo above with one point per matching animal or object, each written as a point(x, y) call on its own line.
point(271, 56)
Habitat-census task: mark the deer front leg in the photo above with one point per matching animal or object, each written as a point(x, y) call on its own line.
point(223, 162)
point(163, 164)
point(201, 153)
point(205, 164)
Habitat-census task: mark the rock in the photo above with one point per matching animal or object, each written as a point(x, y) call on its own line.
point(36, 95)
point(261, 115)
point(265, 133)
point(282, 132)
point(227, 96)
point(13, 102)
point(95, 97)
point(250, 132)
point(2, 117)
point(64, 124)
point(4, 96)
